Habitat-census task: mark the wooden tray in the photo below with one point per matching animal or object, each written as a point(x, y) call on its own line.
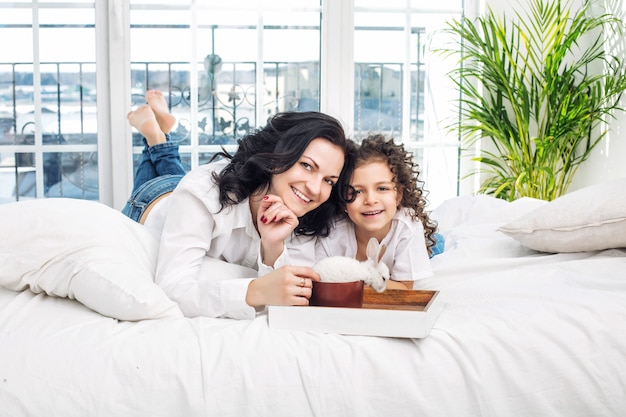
point(398, 299)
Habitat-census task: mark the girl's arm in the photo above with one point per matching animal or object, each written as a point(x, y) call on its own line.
point(407, 248)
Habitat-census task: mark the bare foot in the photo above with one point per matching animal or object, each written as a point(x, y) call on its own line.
point(157, 103)
point(144, 120)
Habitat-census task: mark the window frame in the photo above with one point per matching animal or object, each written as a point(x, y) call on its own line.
point(114, 98)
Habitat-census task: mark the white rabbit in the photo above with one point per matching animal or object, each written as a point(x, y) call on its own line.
point(372, 271)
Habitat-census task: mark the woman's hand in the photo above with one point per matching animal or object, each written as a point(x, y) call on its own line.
point(275, 222)
point(288, 285)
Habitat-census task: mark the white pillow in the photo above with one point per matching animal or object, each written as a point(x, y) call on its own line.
point(592, 218)
point(82, 250)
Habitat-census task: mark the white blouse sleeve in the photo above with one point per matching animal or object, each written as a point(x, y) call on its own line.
point(340, 242)
point(410, 257)
point(300, 250)
point(201, 285)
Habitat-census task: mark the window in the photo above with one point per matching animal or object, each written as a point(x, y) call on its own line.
point(225, 70)
point(66, 85)
point(48, 135)
point(401, 88)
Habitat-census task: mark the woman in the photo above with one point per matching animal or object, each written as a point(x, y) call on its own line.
point(238, 211)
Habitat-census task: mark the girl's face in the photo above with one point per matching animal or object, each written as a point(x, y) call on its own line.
point(376, 201)
point(309, 182)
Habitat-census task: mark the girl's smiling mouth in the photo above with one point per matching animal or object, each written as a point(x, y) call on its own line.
point(372, 213)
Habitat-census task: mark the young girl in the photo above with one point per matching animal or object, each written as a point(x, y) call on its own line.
point(223, 228)
point(384, 200)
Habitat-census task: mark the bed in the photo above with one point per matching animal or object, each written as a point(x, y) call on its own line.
point(533, 324)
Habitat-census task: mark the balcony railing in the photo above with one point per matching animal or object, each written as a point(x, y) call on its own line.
point(62, 153)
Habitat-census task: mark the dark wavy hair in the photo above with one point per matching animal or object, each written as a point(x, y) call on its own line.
point(377, 148)
point(274, 149)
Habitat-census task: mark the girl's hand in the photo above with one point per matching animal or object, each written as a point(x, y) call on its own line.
point(275, 222)
point(399, 285)
point(288, 285)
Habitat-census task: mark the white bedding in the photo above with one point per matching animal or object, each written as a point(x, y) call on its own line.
point(522, 333)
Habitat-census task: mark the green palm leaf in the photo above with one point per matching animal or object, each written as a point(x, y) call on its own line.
point(538, 88)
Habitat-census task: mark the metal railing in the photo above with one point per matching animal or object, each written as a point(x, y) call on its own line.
point(62, 152)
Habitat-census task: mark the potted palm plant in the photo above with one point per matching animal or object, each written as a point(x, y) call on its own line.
point(539, 88)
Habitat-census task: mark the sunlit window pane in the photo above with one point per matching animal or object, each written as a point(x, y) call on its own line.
point(250, 61)
point(17, 177)
point(224, 67)
point(160, 36)
point(291, 44)
point(232, 44)
point(48, 100)
point(401, 88)
point(377, 4)
point(72, 175)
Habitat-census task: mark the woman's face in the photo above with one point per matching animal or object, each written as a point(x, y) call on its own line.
point(308, 183)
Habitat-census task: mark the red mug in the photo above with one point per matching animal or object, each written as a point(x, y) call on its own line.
point(337, 294)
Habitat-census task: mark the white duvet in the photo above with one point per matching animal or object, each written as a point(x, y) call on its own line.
point(522, 333)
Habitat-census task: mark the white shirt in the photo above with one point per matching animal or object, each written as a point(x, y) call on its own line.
point(207, 258)
point(406, 254)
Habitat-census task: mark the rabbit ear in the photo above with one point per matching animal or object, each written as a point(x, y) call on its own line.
point(381, 252)
point(375, 250)
point(372, 249)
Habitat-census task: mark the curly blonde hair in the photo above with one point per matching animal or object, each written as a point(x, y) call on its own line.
point(377, 148)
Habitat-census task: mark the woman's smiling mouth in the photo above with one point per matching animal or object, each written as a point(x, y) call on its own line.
point(301, 196)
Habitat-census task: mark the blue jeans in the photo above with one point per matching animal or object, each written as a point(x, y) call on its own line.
point(159, 172)
point(439, 245)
